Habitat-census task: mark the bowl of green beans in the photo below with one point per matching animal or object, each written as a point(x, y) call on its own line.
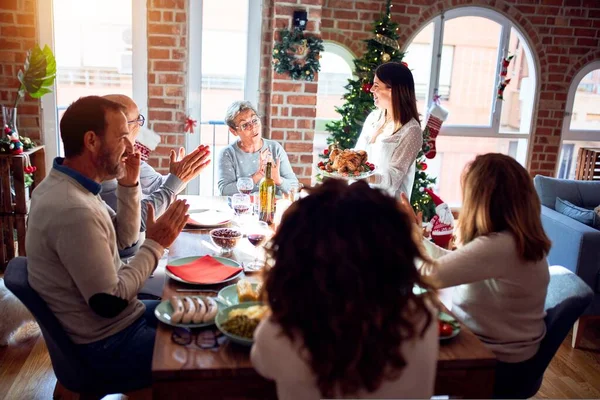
point(240, 327)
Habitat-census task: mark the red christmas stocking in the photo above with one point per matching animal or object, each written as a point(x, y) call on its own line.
point(437, 116)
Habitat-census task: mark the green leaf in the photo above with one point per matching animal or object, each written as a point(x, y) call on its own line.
point(40, 92)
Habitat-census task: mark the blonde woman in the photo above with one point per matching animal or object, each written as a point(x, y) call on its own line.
point(500, 273)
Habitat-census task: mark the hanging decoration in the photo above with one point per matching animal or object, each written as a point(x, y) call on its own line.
point(12, 143)
point(190, 124)
point(297, 55)
point(503, 82)
point(436, 117)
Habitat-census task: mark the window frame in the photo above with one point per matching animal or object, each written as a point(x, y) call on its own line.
point(194, 70)
point(139, 76)
point(586, 135)
point(436, 52)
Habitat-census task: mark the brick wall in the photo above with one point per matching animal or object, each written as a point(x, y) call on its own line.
point(167, 66)
point(289, 106)
point(18, 33)
point(564, 34)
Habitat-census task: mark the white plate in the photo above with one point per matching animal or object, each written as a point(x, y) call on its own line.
point(344, 175)
point(185, 260)
point(210, 218)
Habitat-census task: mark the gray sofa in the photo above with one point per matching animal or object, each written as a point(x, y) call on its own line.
point(575, 245)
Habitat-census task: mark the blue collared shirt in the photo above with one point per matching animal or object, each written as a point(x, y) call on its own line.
point(92, 186)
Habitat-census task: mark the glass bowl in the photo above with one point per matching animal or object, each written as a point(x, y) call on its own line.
point(225, 238)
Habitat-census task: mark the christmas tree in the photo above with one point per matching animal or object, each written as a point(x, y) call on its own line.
point(344, 133)
point(382, 48)
point(419, 199)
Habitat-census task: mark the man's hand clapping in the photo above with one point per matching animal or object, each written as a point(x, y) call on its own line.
point(188, 167)
point(165, 229)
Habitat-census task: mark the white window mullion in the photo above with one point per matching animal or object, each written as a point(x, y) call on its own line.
point(194, 78)
point(49, 121)
point(139, 78)
point(253, 56)
point(436, 58)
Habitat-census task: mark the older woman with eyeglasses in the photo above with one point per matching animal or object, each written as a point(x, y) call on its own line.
point(248, 156)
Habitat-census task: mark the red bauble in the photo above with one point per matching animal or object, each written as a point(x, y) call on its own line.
point(326, 151)
point(423, 167)
point(366, 87)
point(405, 64)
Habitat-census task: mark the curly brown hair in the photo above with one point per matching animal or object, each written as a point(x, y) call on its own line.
point(342, 279)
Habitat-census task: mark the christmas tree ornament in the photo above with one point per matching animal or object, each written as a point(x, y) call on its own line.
point(436, 117)
point(190, 124)
point(386, 57)
point(503, 82)
point(367, 87)
point(441, 226)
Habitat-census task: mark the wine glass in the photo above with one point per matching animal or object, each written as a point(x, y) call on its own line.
point(245, 185)
point(240, 203)
point(257, 234)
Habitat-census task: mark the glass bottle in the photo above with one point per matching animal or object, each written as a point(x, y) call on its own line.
point(266, 194)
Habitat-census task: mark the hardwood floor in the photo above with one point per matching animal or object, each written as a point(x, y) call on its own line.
point(26, 371)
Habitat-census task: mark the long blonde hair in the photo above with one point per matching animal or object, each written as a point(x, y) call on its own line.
point(498, 195)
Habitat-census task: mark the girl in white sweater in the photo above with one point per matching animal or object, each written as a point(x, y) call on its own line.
point(392, 134)
point(501, 273)
point(345, 321)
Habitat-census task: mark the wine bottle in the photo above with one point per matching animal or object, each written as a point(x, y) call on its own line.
point(266, 193)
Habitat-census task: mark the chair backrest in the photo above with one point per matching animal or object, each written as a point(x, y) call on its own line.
point(68, 367)
point(568, 297)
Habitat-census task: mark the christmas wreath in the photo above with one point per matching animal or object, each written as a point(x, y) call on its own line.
point(297, 55)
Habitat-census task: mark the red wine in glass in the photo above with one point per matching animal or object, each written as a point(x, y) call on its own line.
point(256, 239)
point(241, 209)
point(246, 191)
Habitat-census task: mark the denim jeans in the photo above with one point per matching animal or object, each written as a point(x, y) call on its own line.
point(127, 355)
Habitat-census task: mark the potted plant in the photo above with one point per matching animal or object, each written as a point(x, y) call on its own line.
point(36, 78)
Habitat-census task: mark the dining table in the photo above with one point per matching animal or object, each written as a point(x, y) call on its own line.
point(465, 367)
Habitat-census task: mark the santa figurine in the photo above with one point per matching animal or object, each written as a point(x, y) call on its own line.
point(15, 146)
point(441, 226)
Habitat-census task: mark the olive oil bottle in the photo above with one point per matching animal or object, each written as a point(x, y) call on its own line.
point(266, 193)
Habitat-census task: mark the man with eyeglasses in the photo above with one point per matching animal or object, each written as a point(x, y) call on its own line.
point(160, 190)
point(248, 156)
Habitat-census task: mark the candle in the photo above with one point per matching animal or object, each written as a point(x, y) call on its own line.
point(280, 206)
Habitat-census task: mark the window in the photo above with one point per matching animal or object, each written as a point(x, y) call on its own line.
point(224, 67)
point(581, 127)
point(94, 49)
point(337, 65)
point(457, 57)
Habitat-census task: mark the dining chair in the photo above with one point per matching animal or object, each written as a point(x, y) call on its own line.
point(567, 298)
point(71, 371)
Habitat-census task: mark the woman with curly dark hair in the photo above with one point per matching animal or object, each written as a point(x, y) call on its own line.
point(345, 321)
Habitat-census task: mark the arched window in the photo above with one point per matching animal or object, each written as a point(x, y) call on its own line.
point(581, 126)
point(457, 56)
point(336, 68)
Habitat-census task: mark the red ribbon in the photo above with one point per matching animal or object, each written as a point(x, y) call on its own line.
point(190, 123)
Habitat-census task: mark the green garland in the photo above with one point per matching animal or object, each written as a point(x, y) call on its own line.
point(284, 58)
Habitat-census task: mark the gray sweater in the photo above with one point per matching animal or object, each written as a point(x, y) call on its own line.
point(497, 295)
point(235, 163)
point(72, 253)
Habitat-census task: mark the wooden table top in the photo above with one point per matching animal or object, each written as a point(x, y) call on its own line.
point(173, 361)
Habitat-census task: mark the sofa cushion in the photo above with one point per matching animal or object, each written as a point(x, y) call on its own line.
point(583, 215)
point(581, 193)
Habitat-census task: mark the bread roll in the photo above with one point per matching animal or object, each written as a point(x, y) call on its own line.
point(211, 309)
point(178, 309)
point(190, 309)
point(200, 310)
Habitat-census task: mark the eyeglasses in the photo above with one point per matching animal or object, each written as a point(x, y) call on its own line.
point(249, 125)
point(205, 339)
point(140, 120)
